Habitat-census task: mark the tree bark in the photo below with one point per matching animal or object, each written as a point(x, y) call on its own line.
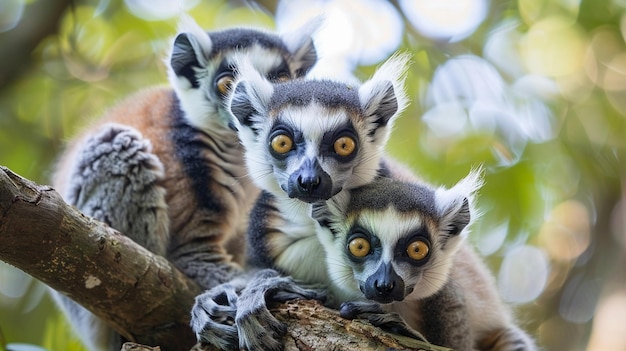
point(142, 295)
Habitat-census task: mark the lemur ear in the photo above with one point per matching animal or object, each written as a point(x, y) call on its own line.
point(454, 205)
point(191, 48)
point(250, 97)
point(455, 218)
point(379, 103)
point(301, 46)
point(330, 214)
point(383, 98)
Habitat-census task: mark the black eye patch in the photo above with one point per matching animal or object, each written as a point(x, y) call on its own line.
point(400, 251)
point(329, 138)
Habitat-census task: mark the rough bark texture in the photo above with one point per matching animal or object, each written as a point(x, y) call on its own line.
point(142, 295)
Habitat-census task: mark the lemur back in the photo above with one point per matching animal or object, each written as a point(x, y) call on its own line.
point(401, 244)
point(164, 168)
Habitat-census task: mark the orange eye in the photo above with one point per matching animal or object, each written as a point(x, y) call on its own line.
point(417, 250)
point(282, 144)
point(345, 146)
point(359, 247)
point(224, 83)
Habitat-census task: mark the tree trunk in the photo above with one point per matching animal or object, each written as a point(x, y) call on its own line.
point(111, 276)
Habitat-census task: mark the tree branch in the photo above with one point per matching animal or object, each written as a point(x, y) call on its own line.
point(141, 295)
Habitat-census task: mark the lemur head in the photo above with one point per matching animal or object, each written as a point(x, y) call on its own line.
point(389, 238)
point(202, 68)
point(309, 139)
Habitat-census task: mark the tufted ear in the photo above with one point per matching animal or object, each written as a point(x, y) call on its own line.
point(383, 98)
point(191, 48)
point(330, 216)
point(453, 205)
point(302, 47)
point(456, 217)
point(249, 99)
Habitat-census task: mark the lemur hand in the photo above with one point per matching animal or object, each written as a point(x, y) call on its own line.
point(213, 317)
point(375, 314)
point(258, 328)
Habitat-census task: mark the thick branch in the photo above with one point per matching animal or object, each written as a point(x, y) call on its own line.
point(142, 296)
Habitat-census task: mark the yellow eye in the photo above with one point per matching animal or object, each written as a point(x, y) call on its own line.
point(345, 146)
point(417, 250)
point(359, 247)
point(224, 83)
point(282, 144)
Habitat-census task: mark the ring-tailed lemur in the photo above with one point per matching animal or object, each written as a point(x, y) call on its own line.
point(305, 141)
point(401, 245)
point(165, 169)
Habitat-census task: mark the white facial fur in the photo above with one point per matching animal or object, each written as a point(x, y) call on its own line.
point(203, 107)
point(313, 120)
point(390, 226)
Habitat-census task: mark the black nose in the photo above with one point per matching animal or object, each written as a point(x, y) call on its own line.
point(310, 183)
point(385, 287)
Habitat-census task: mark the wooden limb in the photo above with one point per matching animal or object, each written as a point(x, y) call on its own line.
point(141, 295)
point(320, 328)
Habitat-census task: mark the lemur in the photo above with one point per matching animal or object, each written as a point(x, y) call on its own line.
point(313, 141)
point(305, 141)
point(398, 246)
point(164, 168)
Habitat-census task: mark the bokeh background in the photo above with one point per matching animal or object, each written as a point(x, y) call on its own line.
point(533, 90)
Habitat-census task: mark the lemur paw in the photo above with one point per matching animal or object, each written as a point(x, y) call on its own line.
point(378, 317)
point(213, 317)
point(258, 328)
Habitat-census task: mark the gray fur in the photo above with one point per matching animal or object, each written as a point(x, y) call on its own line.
point(446, 319)
point(327, 93)
point(315, 113)
point(385, 192)
point(115, 176)
point(117, 167)
point(438, 303)
point(236, 313)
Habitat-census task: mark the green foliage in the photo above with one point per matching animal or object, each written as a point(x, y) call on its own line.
point(545, 192)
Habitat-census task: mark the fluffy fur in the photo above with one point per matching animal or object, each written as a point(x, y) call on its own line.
point(448, 295)
point(164, 168)
point(315, 116)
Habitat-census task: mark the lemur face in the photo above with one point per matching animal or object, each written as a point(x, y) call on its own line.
point(389, 239)
point(310, 139)
point(202, 65)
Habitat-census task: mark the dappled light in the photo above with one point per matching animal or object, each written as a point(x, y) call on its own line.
point(532, 90)
point(351, 35)
point(447, 20)
point(523, 274)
